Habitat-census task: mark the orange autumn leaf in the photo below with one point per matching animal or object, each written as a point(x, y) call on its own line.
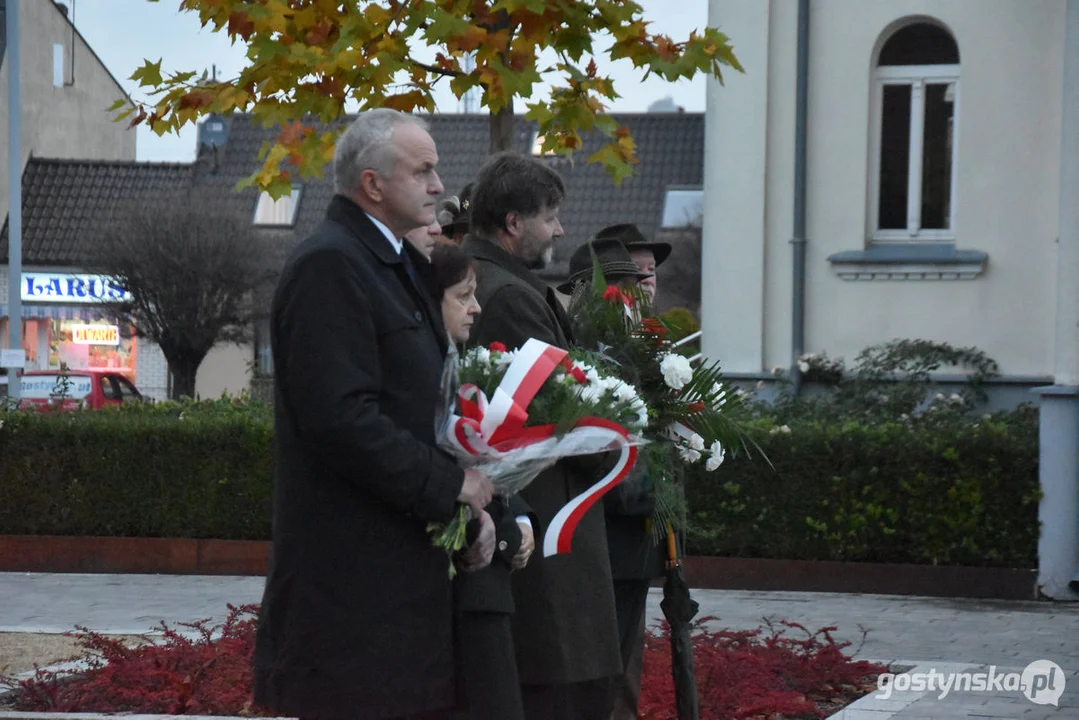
point(314, 58)
point(240, 24)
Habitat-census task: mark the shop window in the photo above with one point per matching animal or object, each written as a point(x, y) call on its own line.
point(916, 104)
point(97, 344)
point(280, 212)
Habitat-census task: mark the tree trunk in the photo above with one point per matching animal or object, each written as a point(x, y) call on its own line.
point(183, 380)
point(503, 129)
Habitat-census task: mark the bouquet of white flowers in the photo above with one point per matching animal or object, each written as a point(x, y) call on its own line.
point(514, 414)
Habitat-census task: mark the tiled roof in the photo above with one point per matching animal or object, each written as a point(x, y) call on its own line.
point(62, 197)
point(63, 200)
point(670, 149)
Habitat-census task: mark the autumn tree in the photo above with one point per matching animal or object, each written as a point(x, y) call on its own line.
point(307, 59)
point(190, 261)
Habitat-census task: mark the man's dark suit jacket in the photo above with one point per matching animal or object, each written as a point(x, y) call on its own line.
point(564, 627)
point(357, 616)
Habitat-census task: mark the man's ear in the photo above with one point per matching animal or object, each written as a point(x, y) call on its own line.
point(515, 224)
point(371, 185)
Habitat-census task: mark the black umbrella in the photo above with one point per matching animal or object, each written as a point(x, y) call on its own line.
point(679, 609)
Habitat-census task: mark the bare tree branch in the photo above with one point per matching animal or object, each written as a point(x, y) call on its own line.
point(191, 261)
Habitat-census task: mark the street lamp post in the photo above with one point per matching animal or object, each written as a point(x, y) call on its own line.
point(15, 194)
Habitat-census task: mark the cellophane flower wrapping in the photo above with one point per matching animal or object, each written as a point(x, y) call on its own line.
point(474, 389)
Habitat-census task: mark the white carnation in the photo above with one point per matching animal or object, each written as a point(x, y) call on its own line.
point(716, 457)
point(504, 359)
point(482, 354)
point(696, 442)
point(625, 392)
point(676, 371)
point(689, 454)
point(590, 394)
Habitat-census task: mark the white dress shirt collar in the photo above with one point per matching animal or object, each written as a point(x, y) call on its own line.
point(395, 242)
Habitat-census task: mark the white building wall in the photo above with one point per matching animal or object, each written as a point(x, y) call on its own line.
point(735, 174)
point(1006, 196)
point(64, 122)
point(226, 369)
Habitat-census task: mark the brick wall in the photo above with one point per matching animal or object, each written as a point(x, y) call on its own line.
point(151, 371)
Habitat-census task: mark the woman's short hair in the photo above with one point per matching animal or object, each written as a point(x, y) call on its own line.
point(450, 265)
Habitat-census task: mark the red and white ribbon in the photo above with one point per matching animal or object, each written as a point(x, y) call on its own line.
point(496, 427)
point(559, 535)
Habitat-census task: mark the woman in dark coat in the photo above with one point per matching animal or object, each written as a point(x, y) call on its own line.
point(486, 662)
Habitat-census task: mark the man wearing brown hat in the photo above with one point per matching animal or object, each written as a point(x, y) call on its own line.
point(647, 254)
point(614, 259)
point(635, 557)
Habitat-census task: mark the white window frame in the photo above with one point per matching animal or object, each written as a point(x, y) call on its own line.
point(916, 76)
point(268, 211)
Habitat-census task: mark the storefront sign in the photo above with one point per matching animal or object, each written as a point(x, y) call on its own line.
point(67, 288)
point(95, 335)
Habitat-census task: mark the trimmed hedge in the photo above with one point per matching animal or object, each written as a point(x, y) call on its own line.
point(938, 489)
point(191, 470)
point(935, 489)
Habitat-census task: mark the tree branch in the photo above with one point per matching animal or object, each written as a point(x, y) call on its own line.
point(437, 70)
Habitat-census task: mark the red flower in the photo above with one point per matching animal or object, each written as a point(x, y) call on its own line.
point(496, 347)
point(612, 294)
point(653, 326)
point(573, 371)
point(695, 407)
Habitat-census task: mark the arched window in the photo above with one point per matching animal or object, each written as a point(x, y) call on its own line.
point(916, 101)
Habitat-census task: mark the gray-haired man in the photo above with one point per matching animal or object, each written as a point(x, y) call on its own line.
point(357, 616)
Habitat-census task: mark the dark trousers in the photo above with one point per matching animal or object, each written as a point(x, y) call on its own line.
point(631, 604)
point(487, 667)
point(588, 700)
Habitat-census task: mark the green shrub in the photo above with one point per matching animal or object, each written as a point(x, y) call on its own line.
point(932, 487)
point(193, 470)
point(939, 488)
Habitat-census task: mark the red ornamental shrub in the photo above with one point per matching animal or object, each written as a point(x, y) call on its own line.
point(209, 675)
point(741, 675)
point(756, 674)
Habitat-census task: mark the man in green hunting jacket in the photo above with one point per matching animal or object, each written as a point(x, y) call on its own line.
point(564, 628)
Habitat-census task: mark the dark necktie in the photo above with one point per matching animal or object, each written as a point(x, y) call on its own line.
point(409, 267)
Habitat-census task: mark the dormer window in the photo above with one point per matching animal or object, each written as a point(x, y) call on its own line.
point(280, 212)
point(537, 146)
point(683, 207)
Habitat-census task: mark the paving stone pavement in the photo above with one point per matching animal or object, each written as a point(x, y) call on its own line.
point(966, 635)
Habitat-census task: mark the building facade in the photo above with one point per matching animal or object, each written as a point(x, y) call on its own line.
point(932, 181)
point(65, 89)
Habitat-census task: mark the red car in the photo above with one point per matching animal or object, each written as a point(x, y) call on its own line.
point(92, 389)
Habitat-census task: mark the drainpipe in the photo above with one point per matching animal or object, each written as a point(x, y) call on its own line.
point(1058, 457)
point(798, 241)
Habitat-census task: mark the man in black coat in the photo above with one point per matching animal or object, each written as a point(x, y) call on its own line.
point(635, 556)
point(356, 619)
point(564, 628)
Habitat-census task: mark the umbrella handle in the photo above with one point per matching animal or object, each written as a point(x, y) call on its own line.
point(673, 560)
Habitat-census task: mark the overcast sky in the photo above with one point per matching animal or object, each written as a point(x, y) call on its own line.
point(124, 32)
